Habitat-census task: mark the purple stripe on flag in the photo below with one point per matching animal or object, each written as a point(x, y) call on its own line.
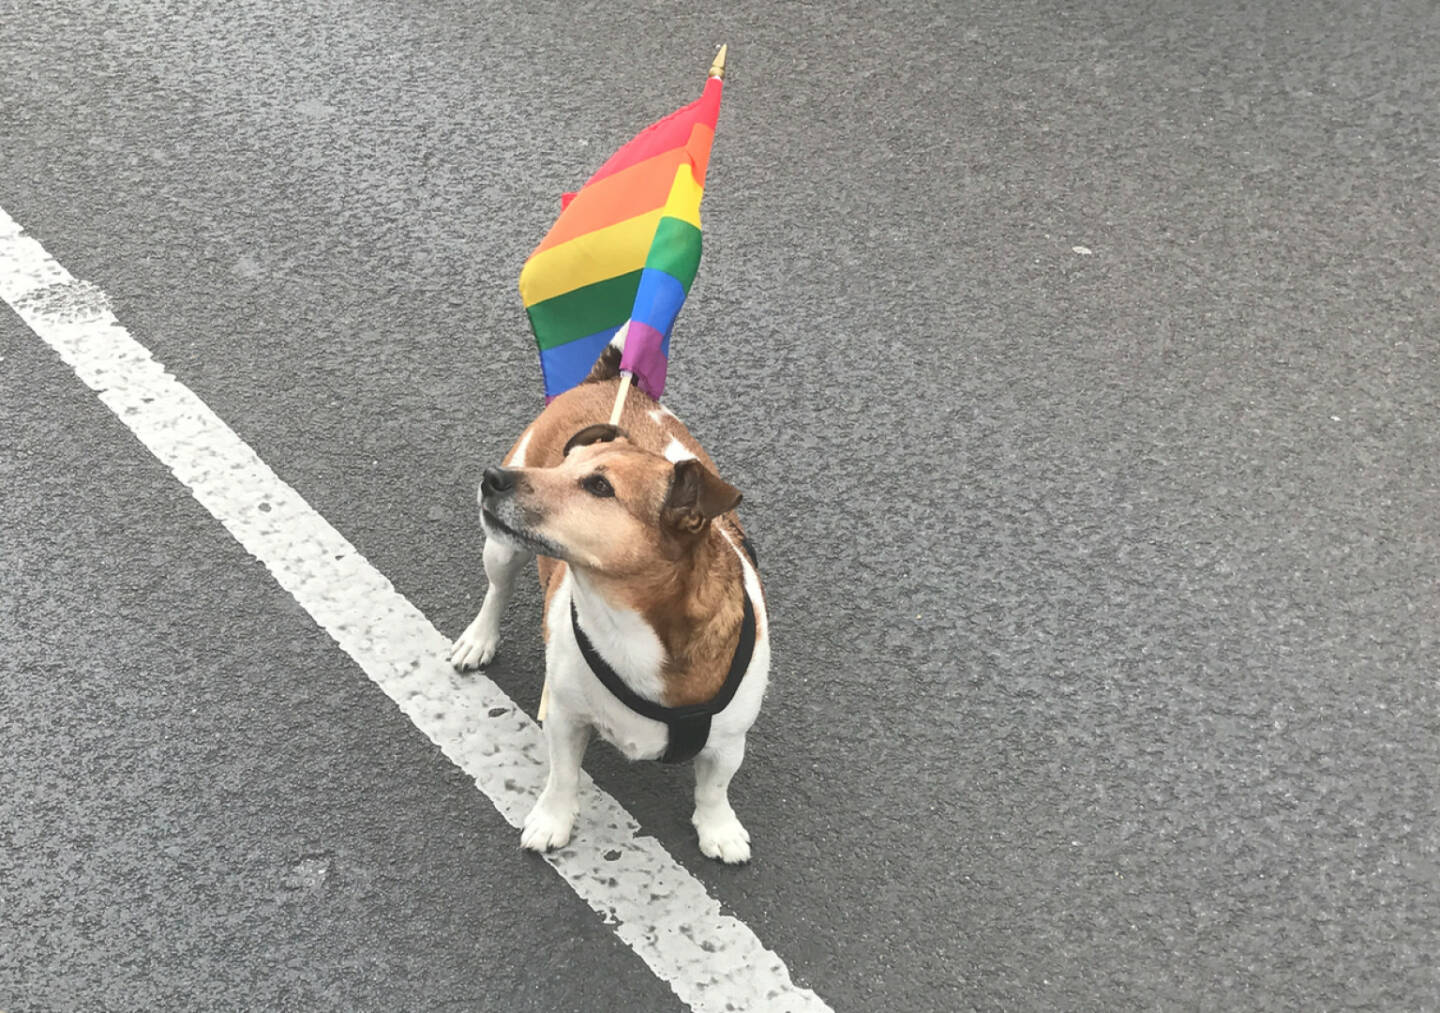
point(644, 356)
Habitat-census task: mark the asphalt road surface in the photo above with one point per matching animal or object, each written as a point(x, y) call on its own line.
point(1079, 365)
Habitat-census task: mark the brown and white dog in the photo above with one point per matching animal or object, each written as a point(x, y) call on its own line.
point(638, 535)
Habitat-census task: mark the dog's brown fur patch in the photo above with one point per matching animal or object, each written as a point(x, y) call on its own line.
point(607, 367)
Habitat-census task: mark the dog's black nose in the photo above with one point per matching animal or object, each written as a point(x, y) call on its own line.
point(497, 480)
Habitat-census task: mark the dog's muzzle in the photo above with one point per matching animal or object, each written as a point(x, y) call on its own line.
point(497, 482)
point(498, 507)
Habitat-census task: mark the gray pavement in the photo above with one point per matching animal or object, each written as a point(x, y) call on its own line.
point(1105, 585)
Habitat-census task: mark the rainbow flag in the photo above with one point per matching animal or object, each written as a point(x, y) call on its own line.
point(624, 252)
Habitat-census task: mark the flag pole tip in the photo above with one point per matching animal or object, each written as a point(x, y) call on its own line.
point(717, 69)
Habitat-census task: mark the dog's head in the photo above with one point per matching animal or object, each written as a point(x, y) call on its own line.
point(609, 505)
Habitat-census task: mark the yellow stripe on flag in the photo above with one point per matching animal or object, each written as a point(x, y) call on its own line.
point(684, 200)
point(605, 253)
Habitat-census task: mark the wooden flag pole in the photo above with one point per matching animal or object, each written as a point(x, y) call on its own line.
point(620, 396)
point(717, 69)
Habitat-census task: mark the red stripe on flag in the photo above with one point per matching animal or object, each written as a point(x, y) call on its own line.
point(671, 132)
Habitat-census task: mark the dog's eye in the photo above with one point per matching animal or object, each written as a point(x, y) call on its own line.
point(598, 485)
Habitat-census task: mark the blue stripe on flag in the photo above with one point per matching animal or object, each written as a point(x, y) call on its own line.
point(566, 365)
point(658, 301)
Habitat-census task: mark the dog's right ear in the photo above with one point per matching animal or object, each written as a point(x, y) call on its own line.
point(696, 496)
point(601, 432)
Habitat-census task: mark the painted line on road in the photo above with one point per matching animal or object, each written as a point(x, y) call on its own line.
point(712, 960)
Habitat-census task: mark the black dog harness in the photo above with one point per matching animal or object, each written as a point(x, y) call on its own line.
point(689, 726)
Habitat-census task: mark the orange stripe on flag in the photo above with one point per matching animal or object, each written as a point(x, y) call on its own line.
point(640, 188)
point(701, 139)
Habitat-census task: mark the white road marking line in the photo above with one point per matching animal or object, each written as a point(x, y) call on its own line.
point(711, 960)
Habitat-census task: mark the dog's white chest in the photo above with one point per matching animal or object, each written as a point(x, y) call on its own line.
point(632, 649)
point(635, 736)
point(633, 743)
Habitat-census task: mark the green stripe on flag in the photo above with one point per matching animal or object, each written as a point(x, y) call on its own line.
point(584, 311)
point(676, 250)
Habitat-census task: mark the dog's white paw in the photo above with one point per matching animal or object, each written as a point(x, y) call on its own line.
point(547, 826)
point(722, 835)
point(474, 649)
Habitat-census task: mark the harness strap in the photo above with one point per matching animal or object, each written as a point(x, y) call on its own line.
point(689, 726)
point(749, 549)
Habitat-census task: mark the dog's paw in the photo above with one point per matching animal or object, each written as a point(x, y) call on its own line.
point(474, 649)
point(547, 827)
point(722, 835)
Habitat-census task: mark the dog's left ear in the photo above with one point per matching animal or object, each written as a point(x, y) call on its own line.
point(696, 495)
point(602, 432)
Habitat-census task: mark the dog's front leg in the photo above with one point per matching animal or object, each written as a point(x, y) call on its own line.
point(477, 644)
point(721, 834)
point(553, 817)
